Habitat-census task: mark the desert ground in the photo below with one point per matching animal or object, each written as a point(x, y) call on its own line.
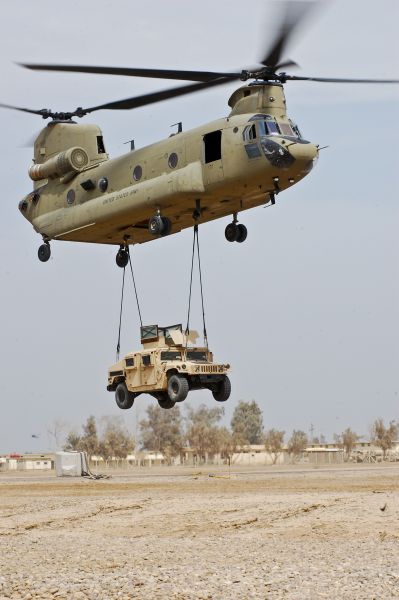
point(178, 533)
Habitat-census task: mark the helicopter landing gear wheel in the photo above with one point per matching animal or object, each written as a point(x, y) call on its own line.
point(167, 226)
point(235, 232)
point(242, 233)
point(122, 258)
point(231, 232)
point(44, 252)
point(158, 225)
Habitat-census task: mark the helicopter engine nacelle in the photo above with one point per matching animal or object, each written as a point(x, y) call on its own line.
point(70, 161)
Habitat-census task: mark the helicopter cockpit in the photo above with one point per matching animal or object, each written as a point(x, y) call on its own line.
point(265, 125)
point(258, 138)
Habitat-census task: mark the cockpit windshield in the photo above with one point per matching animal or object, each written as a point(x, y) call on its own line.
point(268, 125)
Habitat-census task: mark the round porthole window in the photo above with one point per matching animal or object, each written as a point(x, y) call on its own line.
point(71, 196)
point(173, 160)
point(137, 173)
point(103, 184)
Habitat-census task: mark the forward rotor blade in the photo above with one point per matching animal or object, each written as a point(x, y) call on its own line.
point(145, 99)
point(133, 72)
point(43, 112)
point(337, 80)
point(294, 12)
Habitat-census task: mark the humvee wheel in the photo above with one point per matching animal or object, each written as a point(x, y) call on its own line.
point(164, 401)
point(123, 397)
point(44, 252)
point(222, 390)
point(177, 388)
point(122, 258)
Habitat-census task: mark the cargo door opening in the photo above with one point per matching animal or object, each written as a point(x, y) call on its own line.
point(213, 146)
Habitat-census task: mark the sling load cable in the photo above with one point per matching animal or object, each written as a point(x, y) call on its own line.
point(118, 346)
point(196, 247)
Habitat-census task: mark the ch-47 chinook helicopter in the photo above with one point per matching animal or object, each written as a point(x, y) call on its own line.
point(218, 169)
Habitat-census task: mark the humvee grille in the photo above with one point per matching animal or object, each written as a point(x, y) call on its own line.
point(209, 369)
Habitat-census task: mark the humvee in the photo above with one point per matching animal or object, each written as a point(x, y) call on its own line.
point(167, 368)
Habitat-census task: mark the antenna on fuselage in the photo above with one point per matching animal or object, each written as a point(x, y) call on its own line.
point(131, 142)
point(179, 126)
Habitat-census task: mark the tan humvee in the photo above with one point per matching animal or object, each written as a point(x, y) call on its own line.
point(167, 368)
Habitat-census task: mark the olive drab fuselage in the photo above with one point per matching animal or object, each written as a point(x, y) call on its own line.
point(227, 166)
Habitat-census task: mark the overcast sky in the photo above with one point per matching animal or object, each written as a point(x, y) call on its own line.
point(306, 310)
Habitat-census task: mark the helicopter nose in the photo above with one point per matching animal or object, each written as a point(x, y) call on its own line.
point(303, 151)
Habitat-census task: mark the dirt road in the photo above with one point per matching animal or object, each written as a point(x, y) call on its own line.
point(269, 533)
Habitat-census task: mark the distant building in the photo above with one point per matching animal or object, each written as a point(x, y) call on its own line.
point(27, 462)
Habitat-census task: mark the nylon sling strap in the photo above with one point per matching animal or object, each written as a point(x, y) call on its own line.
point(118, 346)
point(121, 309)
point(196, 247)
point(135, 290)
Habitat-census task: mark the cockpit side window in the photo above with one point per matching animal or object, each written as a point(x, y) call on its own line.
point(295, 129)
point(249, 132)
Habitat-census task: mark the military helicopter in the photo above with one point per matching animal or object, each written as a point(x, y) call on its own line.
point(218, 169)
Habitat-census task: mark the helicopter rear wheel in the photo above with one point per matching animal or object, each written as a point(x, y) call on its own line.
point(44, 252)
point(167, 226)
point(156, 225)
point(122, 258)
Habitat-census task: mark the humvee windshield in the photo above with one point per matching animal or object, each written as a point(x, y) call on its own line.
point(170, 355)
point(201, 355)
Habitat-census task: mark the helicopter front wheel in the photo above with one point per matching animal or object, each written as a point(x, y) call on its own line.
point(236, 232)
point(44, 252)
point(122, 258)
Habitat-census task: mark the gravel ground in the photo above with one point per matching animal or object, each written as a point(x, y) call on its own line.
point(175, 534)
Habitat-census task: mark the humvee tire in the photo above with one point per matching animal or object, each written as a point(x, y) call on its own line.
point(164, 401)
point(177, 388)
point(123, 397)
point(222, 391)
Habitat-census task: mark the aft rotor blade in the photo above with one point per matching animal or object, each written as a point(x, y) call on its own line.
point(133, 72)
point(294, 12)
point(337, 80)
point(145, 99)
